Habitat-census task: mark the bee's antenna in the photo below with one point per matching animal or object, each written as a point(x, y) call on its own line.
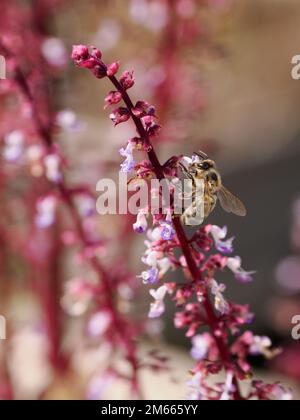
point(201, 155)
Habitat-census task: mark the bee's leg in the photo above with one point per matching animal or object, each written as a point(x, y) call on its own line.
point(214, 203)
point(191, 217)
point(183, 219)
point(172, 162)
point(185, 171)
point(186, 195)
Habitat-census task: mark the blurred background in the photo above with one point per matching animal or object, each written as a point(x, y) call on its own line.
point(219, 72)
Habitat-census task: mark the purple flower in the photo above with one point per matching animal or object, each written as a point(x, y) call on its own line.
point(157, 260)
point(141, 225)
point(219, 235)
point(129, 164)
point(235, 265)
point(151, 276)
point(167, 232)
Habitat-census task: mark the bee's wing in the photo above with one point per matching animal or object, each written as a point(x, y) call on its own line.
point(231, 203)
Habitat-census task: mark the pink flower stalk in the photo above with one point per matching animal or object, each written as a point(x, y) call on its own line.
point(121, 328)
point(212, 351)
point(184, 30)
point(29, 143)
point(22, 26)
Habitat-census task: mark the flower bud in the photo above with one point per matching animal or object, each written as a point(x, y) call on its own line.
point(97, 53)
point(80, 52)
point(113, 98)
point(127, 79)
point(113, 69)
point(120, 115)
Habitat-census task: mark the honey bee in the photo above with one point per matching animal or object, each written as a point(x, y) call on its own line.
point(203, 171)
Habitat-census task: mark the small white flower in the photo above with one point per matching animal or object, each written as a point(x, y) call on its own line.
point(153, 236)
point(200, 347)
point(141, 224)
point(221, 303)
point(260, 346)
point(219, 235)
point(235, 265)
point(151, 258)
point(156, 260)
point(99, 323)
point(228, 388)
point(108, 34)
point(197, 392)
point(13, 148)
point(99, 385)
point(217, 288)
point(52, 164)
point(282, 394)
point(46, 209)
point(77, 297)
point(28, 360)
point(34, 153)
point(164, 265)
point(158, 307)
point(86, 206)
point(55, 52)
point(67, 120)
point(129, 162)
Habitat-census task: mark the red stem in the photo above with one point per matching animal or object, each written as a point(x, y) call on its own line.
point(212, 319)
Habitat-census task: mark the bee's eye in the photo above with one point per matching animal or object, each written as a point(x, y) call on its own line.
point(205, 166)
